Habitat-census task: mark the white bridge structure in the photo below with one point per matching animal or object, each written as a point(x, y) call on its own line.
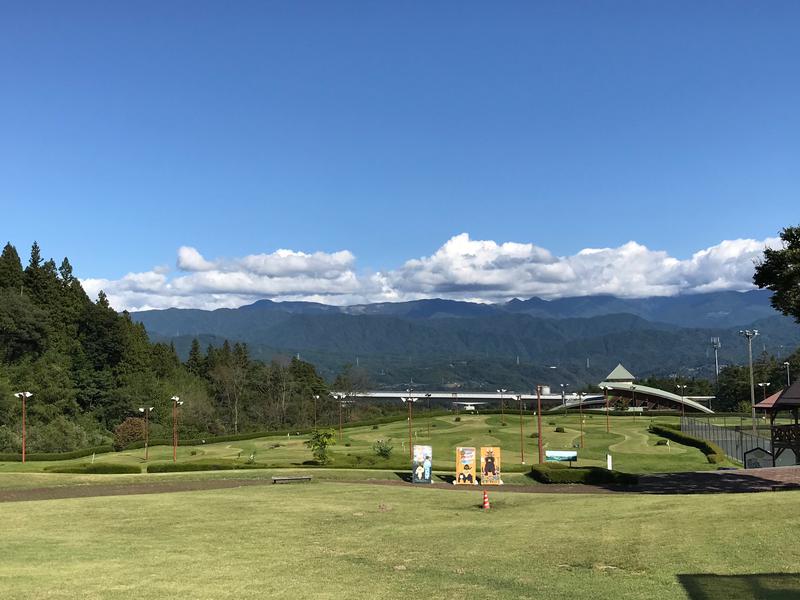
point(620, 386)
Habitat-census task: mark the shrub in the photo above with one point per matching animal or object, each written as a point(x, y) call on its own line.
point(457, 419)
point(710, 449)
point(587, 475)
point(170, 467)
point(551, 422)
point(49, 456)
point(94, 469)
point(129, 431)
point(382, 448)
point(661, 442)
point(559, 430)
point(319, 442)
point(534, 435)
point(374, 426)
point(503, 424)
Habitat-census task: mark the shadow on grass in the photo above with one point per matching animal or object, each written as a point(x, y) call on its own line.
point(404, 476)
point(760, 586)
point(446, 478)
point(713, 482)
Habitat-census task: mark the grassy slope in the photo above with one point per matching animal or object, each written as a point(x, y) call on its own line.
point(327, 540)
point(633, 449)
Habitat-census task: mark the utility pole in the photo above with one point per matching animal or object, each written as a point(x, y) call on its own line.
point(24, 397)
point(409, 400)
point(521, 434)
point(176, 402)
point(682, 388)
point(146, 410)
point(716, 344)
point(502, 408)
point(750, 334)
point(539, 421)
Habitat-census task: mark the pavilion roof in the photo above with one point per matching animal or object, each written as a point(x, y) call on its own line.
point(769, 401)
point(620, 373)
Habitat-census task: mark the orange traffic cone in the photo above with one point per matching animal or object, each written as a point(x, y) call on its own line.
point(485, 500)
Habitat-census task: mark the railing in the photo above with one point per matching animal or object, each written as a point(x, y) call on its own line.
point(733, 440)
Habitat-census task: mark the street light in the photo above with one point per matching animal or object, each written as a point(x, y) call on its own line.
point(521, 435)
point(24, 397)
point(409, 400)
point(788, 380)
point(428, 397)
point(580, 407)
point(764, 385)
point(564, 397)
point(340, 396)
point(539, 421)
point(502, 408)
point(750, 334)
point(146, 410)
point(176, 402)
point(316, 397)
point(682, 388)
point(605, 393)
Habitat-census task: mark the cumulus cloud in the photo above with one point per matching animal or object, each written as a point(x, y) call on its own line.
point(462, 268)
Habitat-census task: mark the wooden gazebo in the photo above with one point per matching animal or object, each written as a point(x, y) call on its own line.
point(784, 437)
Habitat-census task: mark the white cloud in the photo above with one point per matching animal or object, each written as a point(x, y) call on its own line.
point(462, 268)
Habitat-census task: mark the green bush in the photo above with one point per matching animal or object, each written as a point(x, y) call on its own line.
point(382, 448)
point(457, 419)
point(661, 442)
point(50, 456)
point(170, 467)
point(559, 430)
point(710, 449)
point(95, 469)
point(374, 426)
point(587, 475)
point(534, 435)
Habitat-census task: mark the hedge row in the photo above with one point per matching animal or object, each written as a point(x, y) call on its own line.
point(714, 454)
point(590, 475)
point(95, 469)
point(170, 467)
point(41, 456)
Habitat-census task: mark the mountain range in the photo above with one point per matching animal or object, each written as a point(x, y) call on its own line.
point(447, 342)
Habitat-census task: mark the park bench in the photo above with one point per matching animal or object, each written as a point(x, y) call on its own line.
point(295, 479)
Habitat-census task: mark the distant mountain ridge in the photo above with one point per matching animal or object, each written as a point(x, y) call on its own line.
point(651, 335)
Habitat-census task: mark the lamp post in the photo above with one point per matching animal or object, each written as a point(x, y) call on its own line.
point(409, 400)
point(788, 379)
point(750, 334)
point(428, 398)
point(580, 407)
point(24, 397)
point(315, 397)
point(539, 421)
point(146, 410)
point(605, 394)
point(502, 407)
point(682, 388)
point(764, 385)
point(521, 434)
point(564, 397)
point(176, 402)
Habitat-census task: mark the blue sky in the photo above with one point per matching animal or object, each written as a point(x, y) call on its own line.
point(130, 130)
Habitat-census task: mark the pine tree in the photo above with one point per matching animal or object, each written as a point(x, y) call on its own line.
point(11, 274)
point(195, 362)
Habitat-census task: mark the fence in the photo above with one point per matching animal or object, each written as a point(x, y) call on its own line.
point(734, 440)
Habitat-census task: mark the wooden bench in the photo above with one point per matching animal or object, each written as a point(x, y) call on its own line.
point(296, 479)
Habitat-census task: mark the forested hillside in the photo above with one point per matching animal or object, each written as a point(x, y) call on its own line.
point(89, 369)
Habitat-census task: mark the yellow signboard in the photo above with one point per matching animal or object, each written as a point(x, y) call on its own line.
point(465, 466)
point(490, 466)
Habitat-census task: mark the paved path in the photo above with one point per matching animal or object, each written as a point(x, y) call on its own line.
point(710, 482)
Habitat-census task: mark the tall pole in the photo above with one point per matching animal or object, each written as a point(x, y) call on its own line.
point(605, 393)
point(316, 397)
point(24, 396)
point(146, 410)
point(682, 388)
point(428, 396)
point(788, 379)
point(502, 407)
point(521, 434)
point(750, 334)
point(340, 420)
point(539, 421)
point(764, 386)
point(580, 407)
point(410, 400)
point(176, 401)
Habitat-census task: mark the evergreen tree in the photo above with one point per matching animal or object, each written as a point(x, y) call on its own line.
point(196, 362)
point(11, 274)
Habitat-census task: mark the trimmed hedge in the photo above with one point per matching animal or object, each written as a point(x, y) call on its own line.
point(201, 466)
point(714, 454)
point(42, 456)
point(95, 469)
point(557, 473)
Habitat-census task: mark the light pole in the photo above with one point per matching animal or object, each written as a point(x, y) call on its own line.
point(24, 397)
point(764, 385)
point(788, 380)
point(316, 397)
point(605, 393)
point(564, 397)
point(502, 408)
point(539, 421)
point(428, 397)
point(750, 334)
point(682, 388)
point(521, 434)
point(176, 402)
point(580, 407)
point(146, 410)
point(409, 400)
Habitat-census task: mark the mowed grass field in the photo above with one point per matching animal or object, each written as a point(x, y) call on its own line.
point(633, 449)
point(340, 540)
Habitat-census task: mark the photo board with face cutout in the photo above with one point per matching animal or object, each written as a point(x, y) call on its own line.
point(465, 467)
point(490, 466)
point(422, 464)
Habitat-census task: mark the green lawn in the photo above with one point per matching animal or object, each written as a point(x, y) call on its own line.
point(632, 447)
point(333, 540)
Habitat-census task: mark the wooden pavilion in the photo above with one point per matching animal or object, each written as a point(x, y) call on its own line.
point(784, 437)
